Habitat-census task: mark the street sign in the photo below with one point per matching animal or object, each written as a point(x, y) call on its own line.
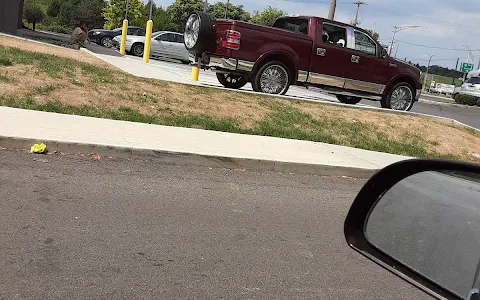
point(467, 67)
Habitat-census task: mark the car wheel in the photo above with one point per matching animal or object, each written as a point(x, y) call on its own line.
point(106, 42)
point(185, 62)
point(348, 99)
point(231, 81)
point(198, 32)
point(399, 97)
point(272, 78)
point(137, 49)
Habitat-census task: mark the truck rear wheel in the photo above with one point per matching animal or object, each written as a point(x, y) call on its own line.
point(198, 32)
point(231, 81)
point(401, 96)
point(272, 78)
point(348, 99)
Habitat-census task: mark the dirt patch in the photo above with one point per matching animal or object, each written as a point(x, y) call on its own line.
point(47, 49)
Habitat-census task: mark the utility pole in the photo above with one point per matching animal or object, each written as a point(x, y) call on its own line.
point(426, 73)
point(226, 9)
point(205, 6)
point(456, 68)
point(358, 4)
point(333, 6)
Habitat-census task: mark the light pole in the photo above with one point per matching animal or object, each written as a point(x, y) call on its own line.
point(398, 29)
point(470, 56)
point(426, 73)
point(226, 9)
point(331, 12)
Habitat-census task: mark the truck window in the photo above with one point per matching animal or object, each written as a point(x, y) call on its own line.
point(335, 35)
point(365, 44)
point(296, 25)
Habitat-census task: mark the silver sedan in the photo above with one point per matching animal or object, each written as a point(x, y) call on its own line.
point(163, 44)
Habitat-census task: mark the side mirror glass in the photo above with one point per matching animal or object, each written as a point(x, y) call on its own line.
point(423, 224)
point(384, 52)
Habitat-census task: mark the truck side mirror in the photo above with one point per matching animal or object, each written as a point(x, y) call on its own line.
point(384, 52)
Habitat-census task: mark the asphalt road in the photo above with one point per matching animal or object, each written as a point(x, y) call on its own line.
point(78, 228)
point(468, 115)
point(430, 221)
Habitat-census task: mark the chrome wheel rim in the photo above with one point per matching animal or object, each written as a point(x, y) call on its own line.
point(138, 50)
point(107, 42)
point(401, 99)
point(274, 80)
point(192, 29)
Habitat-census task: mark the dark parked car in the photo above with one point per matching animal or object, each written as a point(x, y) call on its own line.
point(104, 37)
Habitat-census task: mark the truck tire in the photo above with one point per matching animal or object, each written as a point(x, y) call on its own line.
point(231, 81)
point(400, 96)
point(348, 99)
point(198, 32)
point(272, 78)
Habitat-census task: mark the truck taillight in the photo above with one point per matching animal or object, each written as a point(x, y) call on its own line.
point(232, 40)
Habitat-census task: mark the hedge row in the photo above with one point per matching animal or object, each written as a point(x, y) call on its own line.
point(467, 100)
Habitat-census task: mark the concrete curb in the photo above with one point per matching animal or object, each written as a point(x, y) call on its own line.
point(178, 158)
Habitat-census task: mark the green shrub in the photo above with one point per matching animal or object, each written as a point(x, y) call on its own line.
point(467, 100)
point(55, 28)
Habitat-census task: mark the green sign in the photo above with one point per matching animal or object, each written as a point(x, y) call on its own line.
point(467, 67)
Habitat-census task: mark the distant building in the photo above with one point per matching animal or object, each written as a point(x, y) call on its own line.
point(11, 15)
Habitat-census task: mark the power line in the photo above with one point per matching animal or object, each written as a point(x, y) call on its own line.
point(358, 4)
point(434, 47)
point(423, 18)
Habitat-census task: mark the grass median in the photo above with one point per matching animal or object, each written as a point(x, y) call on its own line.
point(60, 83)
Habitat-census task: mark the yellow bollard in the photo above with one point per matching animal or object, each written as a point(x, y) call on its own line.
point(124, 37)
point(148, 41)
point(195, 73)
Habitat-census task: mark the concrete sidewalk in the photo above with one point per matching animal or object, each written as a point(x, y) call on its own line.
point(68, 133)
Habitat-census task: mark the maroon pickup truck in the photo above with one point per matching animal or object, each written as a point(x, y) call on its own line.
point(309, 51)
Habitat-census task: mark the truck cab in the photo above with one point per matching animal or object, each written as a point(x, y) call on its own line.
point(309, 51)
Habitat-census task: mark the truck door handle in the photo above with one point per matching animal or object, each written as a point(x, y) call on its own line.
point(355, 59)
point(321, 52)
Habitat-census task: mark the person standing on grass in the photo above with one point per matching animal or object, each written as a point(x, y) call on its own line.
point(80, 35)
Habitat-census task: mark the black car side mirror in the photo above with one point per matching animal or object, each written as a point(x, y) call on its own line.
point(420, 219)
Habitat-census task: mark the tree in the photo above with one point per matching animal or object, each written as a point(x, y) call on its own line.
point(266, 17)
point(375, 35)
point(162, 20)
point(53, 9)
point(180, 10)
point(32, 12)
point(114, 13)
point(235, 12)
point(70, 12)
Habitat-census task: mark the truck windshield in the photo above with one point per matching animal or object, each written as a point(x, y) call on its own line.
point(296, 25)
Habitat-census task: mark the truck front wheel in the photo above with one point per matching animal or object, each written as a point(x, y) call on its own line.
point(272, 78)
point(399, 97)
point(348, 99)
point(231, 81)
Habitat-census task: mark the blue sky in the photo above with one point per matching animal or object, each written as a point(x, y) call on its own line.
point(450, 23)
